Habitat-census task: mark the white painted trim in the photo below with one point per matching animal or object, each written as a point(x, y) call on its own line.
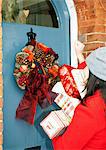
point(73, 30)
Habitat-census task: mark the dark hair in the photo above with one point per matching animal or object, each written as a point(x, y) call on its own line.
point(94, 84)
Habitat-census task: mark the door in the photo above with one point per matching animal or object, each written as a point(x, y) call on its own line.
point(50, 21)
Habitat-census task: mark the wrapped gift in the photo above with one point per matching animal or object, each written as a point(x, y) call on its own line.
point(55, 123)
point(68, 81)
point(72, 79)
point(67, 103)
point(79, 76)
point(63, 100)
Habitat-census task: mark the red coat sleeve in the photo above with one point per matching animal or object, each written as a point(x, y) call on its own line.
point(82, 128)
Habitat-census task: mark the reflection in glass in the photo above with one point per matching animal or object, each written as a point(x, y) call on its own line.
point(35, 12)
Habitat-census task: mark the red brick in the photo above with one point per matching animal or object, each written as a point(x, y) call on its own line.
point(100, 21)
point(0, 67)
point(96, 37)
point(0, 56)
point(1, 147)
point(99, 28)
point(1, 79)
point(1, 126)
point(0, 41)
point(93, 46)
point(103, 3)
point(1, 103)
point(0, 33)
point(1, 90)
point(0, 5)
point(89, 4)
point(1, 117)
point(1, 139)
point(87, 23)
point(88, 29)
point(95, 28)
point(100, 12)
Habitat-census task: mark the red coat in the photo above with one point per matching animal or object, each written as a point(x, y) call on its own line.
point(87, 130)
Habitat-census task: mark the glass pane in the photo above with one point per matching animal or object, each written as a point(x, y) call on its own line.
point(35, 12)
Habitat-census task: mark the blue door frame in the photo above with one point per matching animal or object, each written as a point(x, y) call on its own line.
point(18, 135)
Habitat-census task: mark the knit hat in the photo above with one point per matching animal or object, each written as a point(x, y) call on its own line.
point(96, 63)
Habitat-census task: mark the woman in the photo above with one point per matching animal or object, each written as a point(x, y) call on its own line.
point(87, 130)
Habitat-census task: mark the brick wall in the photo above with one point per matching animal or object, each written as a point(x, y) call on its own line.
point(92, 23)
point(1, 84)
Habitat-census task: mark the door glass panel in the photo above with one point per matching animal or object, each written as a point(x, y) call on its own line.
point(34, 12)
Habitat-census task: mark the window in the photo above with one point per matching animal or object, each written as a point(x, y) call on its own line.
point(34, 12)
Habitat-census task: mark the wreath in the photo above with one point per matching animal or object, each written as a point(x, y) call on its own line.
point(38, 55)
point(36, 72)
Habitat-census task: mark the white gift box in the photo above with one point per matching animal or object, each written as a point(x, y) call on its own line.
point(55, 123)
point(67, 103)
